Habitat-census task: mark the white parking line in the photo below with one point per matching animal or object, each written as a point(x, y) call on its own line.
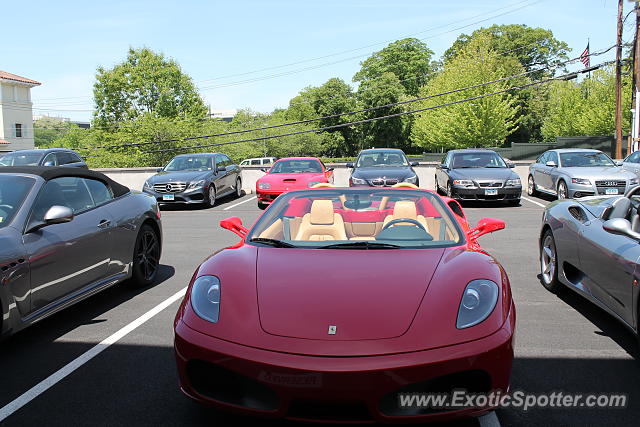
point(533, 201)
point(238, 204)
point(66, 370)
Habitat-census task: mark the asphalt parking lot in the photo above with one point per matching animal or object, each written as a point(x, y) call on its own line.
point(562, 343)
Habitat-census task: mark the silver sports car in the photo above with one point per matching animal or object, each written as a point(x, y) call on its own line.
point(591, 246)
point(574, 173)
point(66, 233)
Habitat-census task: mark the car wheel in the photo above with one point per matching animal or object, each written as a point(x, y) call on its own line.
point(262, 206)
point(450, 191)
point(531, 187)
point(146, 257)
point(437, 185)
point(549, 263)
point(210, 196)
point(563, 193)
point(239, 192)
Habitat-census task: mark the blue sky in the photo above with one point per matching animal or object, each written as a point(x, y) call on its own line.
point(223, 45)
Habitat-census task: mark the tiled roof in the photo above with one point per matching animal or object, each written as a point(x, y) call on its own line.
point(9, 76)
point(2, 141)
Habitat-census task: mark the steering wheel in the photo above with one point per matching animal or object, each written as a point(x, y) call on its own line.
point(405, 220)
point(632, 191)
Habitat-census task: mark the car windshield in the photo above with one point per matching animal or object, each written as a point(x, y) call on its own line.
point(13, 191)
point(477, 160)
point(296, 166)
point(20, 159)
point(357, 218)
point(190, 163)
point(584, 160)
point(381, 158)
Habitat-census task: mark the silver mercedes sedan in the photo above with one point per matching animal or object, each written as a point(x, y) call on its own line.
point(574, 173)
point(67, 233)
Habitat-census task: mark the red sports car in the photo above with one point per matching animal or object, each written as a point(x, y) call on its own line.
point(339, 301)
point(291, 173)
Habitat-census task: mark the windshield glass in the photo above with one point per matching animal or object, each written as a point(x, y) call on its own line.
point(190, 163)
point(477, 160)
point(382, 158)
point(357, 218)
point(296, 166)
point(20, 159)
point(584, 160)
point(13, 191)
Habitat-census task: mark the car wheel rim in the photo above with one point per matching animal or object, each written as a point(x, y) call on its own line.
point(531, 186)
point(212, 196)
point(548, 259)
point(147, 255)
point(238, 188)
point(449, 191)
point(562, 191)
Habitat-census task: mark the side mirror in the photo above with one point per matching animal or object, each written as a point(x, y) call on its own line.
point(511, 165)
point(264, 170)
point(350, 165)
point(159, 169)
point(414, 164)
point(329, 169)
point(55, 215)
point(621, 227)
point(443, 166)
point(551, 164)
point(485, 225)
point(618, 162)
point(221, 168)
point(48, 163)
point(234, 224)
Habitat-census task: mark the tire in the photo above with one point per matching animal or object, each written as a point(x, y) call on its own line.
point(531, 187)
point(563, 192)
point(146, 257)
point(210, 196)
point(549, 263)
point(239, 192)
point(450, 191)
point(262, 206)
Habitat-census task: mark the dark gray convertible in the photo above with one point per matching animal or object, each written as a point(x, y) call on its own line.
point(67, 233)
point(591, 245)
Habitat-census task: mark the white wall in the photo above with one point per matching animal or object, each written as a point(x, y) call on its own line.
point(16, 107)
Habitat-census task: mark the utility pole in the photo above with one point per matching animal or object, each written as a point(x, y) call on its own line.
point(618, 154)
point(636, 80)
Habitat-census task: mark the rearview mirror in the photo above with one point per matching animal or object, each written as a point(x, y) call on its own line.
point(159, 169)
point(264, 170)
point(414, 164)
point(485, 225)
point(621, 227)
point(329, 169)
point(551, 163)
point(234, 224)
point(443, 166)
point(511, 165)
point(221, 168)
point(618, 162)
point(55, 215)
point(350, 165)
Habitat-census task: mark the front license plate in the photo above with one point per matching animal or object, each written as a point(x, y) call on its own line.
point(168, 197)
point(611, 191)
point(490, 192)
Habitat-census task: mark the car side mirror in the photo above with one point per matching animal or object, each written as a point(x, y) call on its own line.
point(511, 165)
point(551, 164)
point(414, 164)
point(621, 227)
point(329, 169)
point(49, 163)
point(159, 169)
point(264, 170)
point(350, 165)
point(618, 162)
point(55, 215)
point(234, 224)
point(221, 168)
point(485, 225)
point(443, 166)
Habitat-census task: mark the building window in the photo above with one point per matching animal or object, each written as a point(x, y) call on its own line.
point(18, 130)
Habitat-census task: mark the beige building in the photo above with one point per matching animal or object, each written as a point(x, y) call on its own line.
point(16, 115)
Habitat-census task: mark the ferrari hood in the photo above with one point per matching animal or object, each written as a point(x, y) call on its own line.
point(292, 180)
point(342, 294)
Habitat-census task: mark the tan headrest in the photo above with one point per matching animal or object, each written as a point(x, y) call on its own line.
point(405, 209)
point(321, 212)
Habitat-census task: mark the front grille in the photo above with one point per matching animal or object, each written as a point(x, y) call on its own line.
point(170, 187)
point(490, 184)
point(611, 183)
point(383, 182)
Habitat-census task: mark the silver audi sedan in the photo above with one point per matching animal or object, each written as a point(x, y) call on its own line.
point(574, 173)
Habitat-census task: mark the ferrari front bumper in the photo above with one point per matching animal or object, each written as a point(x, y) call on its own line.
point(339, 389)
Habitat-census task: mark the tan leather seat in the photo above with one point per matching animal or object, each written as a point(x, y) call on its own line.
point(322, 223)
point(406, 209)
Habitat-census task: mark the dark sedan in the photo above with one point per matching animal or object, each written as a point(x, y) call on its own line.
point(195, 179)
point(67, 233)
point(382, 167)
point(478, 175)
point(43, 157)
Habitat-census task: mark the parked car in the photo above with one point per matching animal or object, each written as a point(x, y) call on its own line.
point(632, 163)
point(291, 173)
point(478, 175)
point(591, 247)
point(200, 178)
point(259, 161)
point(574, 173)
point(382, 167)
point(339, 299)
point(43, 157)
point(66, 233)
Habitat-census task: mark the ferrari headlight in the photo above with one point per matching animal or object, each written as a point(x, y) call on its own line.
point(513, 183)
point(205, 298)
point(196, 184)
point(412, 179)
point(358, 181)
point(312, 183)
point(463, 183)
point(581, 181)
point(264, 185)
point(478, 301)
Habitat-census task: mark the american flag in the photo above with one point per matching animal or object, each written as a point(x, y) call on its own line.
point(584, 56)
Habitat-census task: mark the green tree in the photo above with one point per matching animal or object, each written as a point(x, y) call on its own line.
point(145, 83)
point(409, 59)
point(482, 122)
point(47, 129)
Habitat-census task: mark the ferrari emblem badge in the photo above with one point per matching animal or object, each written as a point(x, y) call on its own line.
point(332, 329)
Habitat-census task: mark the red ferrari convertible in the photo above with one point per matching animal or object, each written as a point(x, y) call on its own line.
point(292, 173)
point(340, 301)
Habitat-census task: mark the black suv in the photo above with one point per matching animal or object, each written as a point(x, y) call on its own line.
point(382, 167)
